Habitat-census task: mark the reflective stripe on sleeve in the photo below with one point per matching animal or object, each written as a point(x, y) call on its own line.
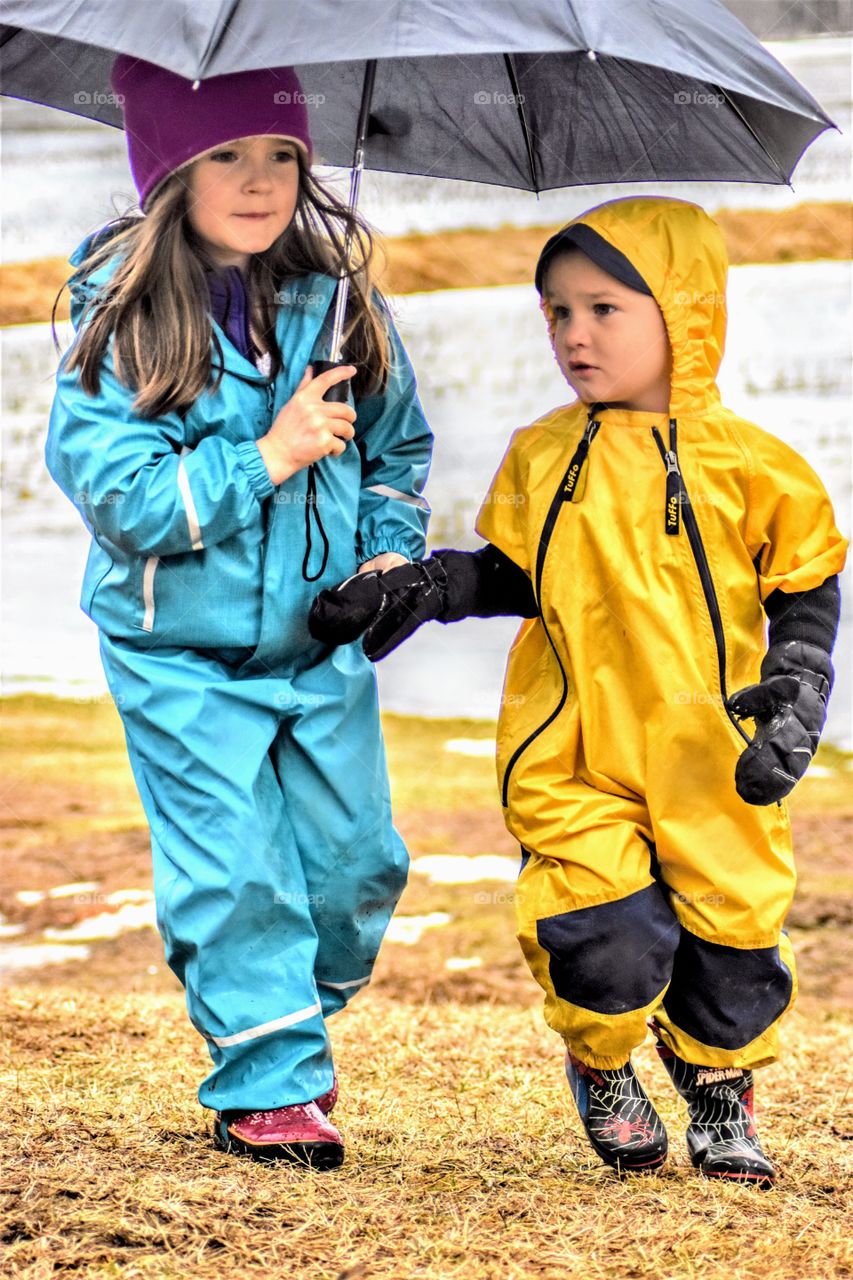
point(189, 505)
point(385, 491)
point(148, 591)
point(265, 1028)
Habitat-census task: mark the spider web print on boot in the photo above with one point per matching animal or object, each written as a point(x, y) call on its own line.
point(721, 1137)
point(620, 1121)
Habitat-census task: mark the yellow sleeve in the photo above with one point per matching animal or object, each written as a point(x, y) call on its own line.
point(791, 525)
point(502, 518)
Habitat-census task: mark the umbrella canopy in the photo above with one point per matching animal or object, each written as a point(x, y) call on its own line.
point(529, 94)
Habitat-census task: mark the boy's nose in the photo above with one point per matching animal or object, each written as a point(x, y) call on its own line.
point(575, 336)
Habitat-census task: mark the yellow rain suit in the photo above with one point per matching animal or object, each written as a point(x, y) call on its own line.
point(647, 884)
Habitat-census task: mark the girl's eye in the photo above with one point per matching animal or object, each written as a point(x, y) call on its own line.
point(224, 157)
point(604, 308)
point(561, 313)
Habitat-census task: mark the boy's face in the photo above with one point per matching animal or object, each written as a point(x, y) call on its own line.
point(227, 185)
point(610, 341)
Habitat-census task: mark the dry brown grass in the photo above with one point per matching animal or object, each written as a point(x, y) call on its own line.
point(471, 259)
point(465, 1158)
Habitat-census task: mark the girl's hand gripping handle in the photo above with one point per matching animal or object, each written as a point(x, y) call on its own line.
point(309, 426)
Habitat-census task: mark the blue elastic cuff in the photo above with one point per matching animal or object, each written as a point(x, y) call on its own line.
point(368, 550)
point(255, 468)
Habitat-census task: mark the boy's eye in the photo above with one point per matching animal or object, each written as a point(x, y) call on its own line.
point(603, 308)
point(561, 313)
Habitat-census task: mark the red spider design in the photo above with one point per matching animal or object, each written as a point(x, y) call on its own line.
point(624, 1130)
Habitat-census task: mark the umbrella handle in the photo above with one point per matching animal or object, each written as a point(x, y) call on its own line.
point(339, 393)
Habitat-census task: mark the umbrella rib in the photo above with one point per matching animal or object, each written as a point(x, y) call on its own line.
point(218, 28)
point(734, 106)
point(519, 102)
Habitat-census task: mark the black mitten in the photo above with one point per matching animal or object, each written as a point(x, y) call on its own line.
point(789, 709)
point(387, 607)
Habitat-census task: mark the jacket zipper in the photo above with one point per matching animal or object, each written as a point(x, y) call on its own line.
point(566, 492)
point(678, 502)
point(270, 390)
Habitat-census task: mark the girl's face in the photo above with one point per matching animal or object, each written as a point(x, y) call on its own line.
point(242, 196)
point(610, 341)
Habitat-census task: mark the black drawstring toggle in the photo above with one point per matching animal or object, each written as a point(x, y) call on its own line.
point(311, 507)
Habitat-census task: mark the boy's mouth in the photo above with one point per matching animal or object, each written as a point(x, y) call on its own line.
point(581, 368)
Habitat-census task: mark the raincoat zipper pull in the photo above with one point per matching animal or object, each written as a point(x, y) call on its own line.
point(573, 490)
point(672, 511)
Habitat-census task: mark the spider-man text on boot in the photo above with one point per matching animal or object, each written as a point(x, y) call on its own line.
point(620, 1121)
point(721, 1137)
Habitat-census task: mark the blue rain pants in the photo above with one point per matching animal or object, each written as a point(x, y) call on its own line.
point(276, 865)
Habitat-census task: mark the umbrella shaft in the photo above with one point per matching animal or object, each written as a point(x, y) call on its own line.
point(343, 283)
point(355, 184)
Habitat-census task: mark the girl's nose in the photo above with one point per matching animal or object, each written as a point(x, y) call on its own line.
point(257, 175)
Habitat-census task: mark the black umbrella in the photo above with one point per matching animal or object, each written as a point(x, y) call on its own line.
point(532, 94)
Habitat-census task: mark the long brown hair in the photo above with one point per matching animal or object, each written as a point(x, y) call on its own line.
point(156, 302)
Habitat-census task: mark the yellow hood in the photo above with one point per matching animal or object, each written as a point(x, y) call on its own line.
point(679, 251)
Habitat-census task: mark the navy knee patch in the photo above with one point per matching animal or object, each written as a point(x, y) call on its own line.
point(614, 957)
point(725, 996)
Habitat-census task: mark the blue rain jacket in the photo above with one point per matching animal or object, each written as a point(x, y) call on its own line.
point(192, 545)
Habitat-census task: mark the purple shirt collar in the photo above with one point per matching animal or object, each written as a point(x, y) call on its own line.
point(230, 307)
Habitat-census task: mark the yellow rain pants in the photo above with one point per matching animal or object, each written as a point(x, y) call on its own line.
point(647, 884)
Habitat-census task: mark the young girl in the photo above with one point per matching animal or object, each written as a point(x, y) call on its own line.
point(221, 489)
point(648, 534)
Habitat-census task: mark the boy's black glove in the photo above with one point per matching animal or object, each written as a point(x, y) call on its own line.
point(387, 606)
point(789, 709)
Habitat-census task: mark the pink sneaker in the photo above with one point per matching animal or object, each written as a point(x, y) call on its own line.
point(300, 1133)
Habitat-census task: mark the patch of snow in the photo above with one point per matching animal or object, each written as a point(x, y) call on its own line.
point(72, 890)
point(408, 929)
point(109, 924)
point(471, 746)
point(130, 895)
point(463, 962)
point(448, 868)
point(29, 897)
point(35, 956)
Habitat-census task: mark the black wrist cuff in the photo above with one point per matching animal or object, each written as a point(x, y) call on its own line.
point(809, 616)
point(484, 584)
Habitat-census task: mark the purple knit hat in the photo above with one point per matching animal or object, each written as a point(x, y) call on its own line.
point(168, 123)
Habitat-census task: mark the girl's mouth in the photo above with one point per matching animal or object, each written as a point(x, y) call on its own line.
point(255, 217)
point(582, 370)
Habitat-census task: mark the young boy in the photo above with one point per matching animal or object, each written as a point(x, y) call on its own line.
point(651, 530)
